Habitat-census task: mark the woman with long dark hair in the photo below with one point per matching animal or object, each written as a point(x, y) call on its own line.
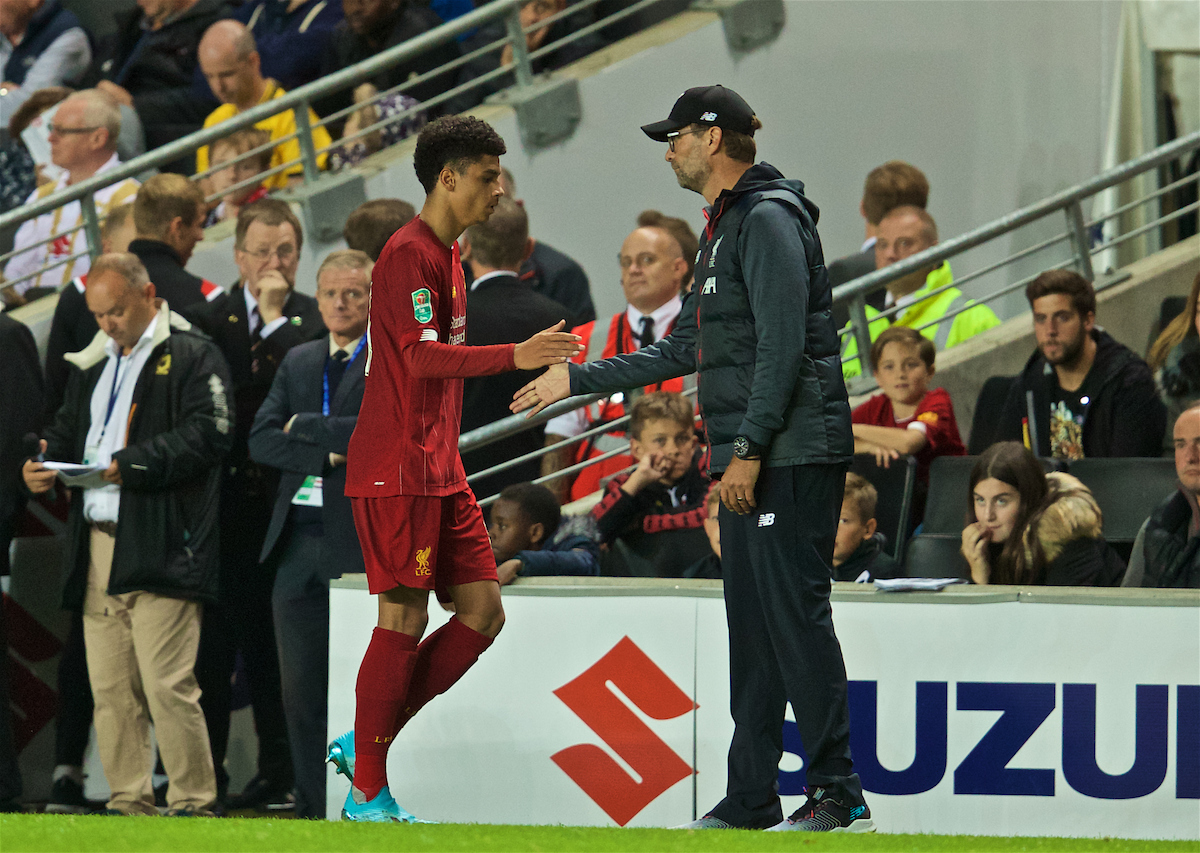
point(1028, 527)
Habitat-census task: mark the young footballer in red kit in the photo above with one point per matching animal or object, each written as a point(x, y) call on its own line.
point(417, 520)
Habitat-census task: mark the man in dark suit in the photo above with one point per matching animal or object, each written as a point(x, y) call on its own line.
point(21, 393)
point(501, 309)
point(254, 324)
point(303, 429)
point(889, 186)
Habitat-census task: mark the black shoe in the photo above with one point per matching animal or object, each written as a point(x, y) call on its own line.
point(66, 797)
point(259, 792)
point(160, 795)
point(189, 811)
point(822, 813)
point(11, 807)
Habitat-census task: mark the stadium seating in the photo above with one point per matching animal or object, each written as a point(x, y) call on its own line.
point(936, 556)
point(987, 410)
point(1127, 490)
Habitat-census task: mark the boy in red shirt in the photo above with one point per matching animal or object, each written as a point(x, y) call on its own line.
point(417, 520)
point(907, 418)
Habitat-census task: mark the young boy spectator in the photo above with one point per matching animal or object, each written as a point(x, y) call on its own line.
point(857, 552)
point(223, 153)
point(908, 417)
point(666, 492)
point(529, 537)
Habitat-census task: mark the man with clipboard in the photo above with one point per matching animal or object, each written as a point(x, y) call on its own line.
point(303, 429)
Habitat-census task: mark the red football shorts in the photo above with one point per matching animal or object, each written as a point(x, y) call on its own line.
point(423, 542)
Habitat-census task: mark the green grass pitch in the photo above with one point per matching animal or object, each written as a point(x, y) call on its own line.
point(47, 833)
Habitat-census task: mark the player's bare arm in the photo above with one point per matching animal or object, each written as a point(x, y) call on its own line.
point(550, 387)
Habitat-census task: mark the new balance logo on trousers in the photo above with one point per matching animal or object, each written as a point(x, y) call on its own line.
point(766, 519)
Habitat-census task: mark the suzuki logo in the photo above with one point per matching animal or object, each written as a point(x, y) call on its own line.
point(590, 696)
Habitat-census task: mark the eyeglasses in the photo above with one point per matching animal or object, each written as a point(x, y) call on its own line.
point(675, 134)
point(283, 253)
point(63, 131)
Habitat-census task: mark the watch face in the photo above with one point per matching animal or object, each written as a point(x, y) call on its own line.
point(741, 446)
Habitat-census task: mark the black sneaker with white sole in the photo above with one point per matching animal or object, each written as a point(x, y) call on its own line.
point(822, 813)
point(66, 797)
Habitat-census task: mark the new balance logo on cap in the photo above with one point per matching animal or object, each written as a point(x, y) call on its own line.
point(709, 116)
point(766, 519)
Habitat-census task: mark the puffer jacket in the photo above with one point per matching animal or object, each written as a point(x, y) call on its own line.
point(180, 428)
point(758, 327)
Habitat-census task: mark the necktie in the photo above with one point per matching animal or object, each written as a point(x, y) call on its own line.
point(646, 336)
point(256, 324)
point(337, 369)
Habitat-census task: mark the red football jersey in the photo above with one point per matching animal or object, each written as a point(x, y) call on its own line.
point(935, 413)
point(406, 438)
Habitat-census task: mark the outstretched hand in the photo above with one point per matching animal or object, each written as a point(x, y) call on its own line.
point(547, 347)
point(550, 387)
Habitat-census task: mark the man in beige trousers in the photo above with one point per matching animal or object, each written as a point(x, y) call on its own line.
point(145, 407)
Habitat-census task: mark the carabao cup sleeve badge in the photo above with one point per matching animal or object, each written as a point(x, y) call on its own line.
point(422, 305)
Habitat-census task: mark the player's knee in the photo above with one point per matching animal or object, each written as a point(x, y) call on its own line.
point(487, 619)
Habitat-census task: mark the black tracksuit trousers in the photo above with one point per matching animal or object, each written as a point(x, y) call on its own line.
point(776, 567)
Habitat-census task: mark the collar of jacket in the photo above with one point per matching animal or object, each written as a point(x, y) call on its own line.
point(1111, 359)
point(921, 303)
point(94, 353)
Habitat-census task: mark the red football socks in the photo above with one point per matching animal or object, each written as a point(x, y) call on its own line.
point(383, 687)
point(442, 659)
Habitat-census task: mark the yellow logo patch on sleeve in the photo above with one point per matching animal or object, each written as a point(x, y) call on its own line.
point(930, 418)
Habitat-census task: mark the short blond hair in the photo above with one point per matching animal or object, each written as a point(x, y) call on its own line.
point(861, 495)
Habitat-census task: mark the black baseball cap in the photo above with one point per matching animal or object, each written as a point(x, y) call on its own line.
point(715, 106)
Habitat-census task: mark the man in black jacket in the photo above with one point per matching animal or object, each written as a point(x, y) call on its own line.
point(758, 327)
point(1166, 552)
point(501, 309)
point(1081, 393)
point(303, 429)
point(254, 325)
point(169, 215)
point(21, 392)
point(149, 64)
point(147, 407)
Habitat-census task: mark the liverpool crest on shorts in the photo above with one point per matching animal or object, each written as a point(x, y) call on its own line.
point(422, 305)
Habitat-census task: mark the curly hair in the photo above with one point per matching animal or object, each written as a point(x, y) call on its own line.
point(454, 141)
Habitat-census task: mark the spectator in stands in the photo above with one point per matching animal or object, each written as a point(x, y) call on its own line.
point(1175, 356)
point(373, 26)
point(397, 109)
point(533, 12)
point(1166, 552)
point(908, 418)
point(902, 232)
point(41, 44)
point(1081, 393)
point(231, 64)
point(303, 429)
point(135, 567)
point(149, 64)
point(892, 185)
point(20, 173)
point(73, 326)
point(656, 260)
point(1033, 528)
point(254, 324)
point(83, 140)
point(531, 539)
point(858, 551)
point(666, 492)
point(292, 36)
point(502, 309)
point(233, 152)
point(169, 216)
point(374, 222)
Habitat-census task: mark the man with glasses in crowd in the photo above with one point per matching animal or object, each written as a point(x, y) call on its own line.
point(83, 143)
point(254, 324)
